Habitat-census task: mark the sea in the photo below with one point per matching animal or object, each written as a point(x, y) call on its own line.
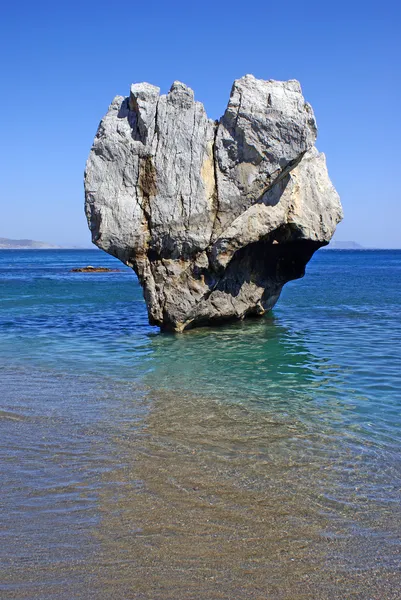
point(257, 460)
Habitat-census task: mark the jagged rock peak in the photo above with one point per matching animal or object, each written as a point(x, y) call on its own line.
point(214, 217)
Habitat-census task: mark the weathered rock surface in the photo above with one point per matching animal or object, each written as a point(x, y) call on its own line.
point(214, 217)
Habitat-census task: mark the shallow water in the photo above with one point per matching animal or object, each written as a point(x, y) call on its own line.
point(257, 460)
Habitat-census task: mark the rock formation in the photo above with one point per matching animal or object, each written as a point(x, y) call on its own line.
point(214, 217)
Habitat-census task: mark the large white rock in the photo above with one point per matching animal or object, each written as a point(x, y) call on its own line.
point(213, 216)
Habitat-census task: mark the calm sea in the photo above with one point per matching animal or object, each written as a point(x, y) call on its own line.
point(259, 460)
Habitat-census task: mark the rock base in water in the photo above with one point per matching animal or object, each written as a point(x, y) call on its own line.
point(90, 269)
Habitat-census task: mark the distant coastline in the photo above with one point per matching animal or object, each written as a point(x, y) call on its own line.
point(25, 244)
point(337, 245)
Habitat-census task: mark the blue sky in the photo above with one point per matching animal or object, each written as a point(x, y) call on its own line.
point(62, 63)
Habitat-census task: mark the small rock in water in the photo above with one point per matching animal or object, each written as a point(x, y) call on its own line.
point(213, 216)
point(90, 269)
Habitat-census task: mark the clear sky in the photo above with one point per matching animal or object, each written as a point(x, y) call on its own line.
point(62, 63)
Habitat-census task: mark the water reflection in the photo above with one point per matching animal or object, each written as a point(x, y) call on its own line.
point(262, 364)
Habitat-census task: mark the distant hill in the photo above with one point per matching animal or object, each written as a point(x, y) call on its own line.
point(343, 246)
point(6, 243)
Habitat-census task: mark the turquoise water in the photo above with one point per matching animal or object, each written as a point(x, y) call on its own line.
point(302, 407)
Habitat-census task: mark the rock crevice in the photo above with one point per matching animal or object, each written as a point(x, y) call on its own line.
point(213, 216)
